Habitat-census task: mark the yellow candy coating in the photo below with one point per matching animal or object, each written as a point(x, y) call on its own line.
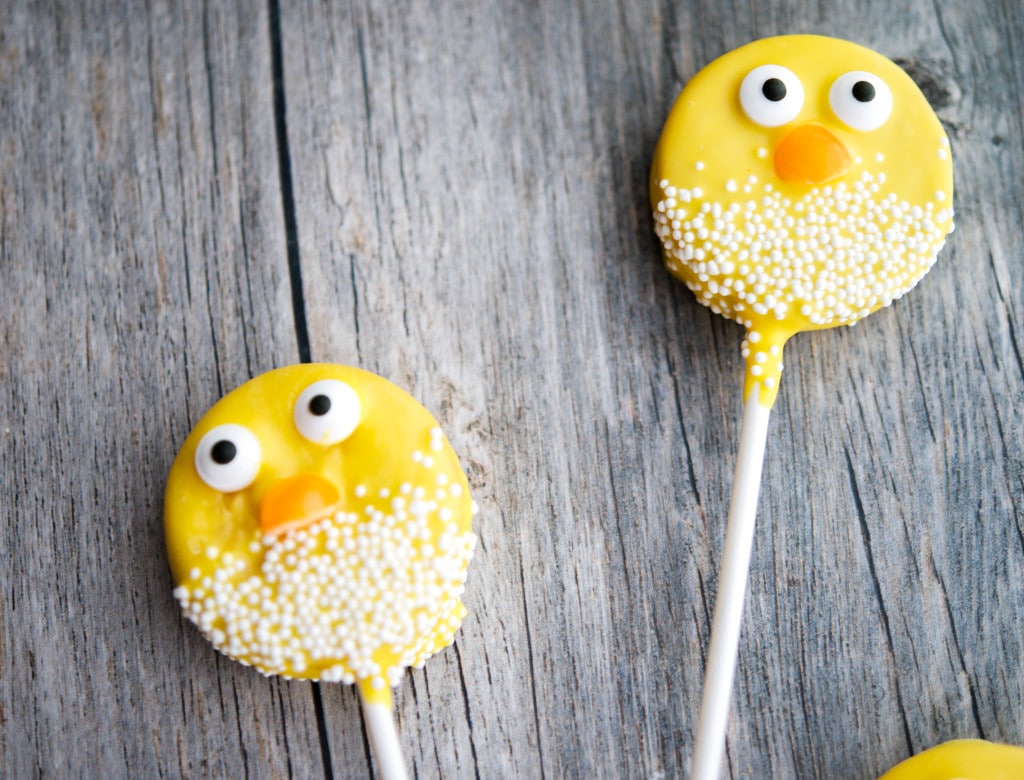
point(962, 759)
point(340, 560)
point(810, 222)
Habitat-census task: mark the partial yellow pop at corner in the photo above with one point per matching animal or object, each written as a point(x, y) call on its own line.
point(962, 759)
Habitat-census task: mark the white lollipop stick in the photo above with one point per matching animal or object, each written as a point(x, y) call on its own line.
point(387, 751)
point(732, 588)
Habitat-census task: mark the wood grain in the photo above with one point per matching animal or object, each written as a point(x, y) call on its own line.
point(453, 195)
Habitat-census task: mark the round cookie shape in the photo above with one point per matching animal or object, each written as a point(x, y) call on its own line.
point(340, 552)
point(800, 182)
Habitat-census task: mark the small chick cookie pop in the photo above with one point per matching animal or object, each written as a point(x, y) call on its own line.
point(800, 183)
point(318, 527)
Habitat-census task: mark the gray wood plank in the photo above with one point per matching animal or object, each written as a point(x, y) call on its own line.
point(142, 272)
point(471, 217)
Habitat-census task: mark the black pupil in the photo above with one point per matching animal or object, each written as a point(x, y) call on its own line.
point(223, 452)
point(320, 405)
point(864, 91)
point(774, 90)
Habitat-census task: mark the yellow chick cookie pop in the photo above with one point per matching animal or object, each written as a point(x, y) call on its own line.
point(318, 527)
point(800, 183)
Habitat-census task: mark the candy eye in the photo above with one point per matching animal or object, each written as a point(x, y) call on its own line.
point(228, 458)
point(861, 100)
point(327, 411)
point(771, 95)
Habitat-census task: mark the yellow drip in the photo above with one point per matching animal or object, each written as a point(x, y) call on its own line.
point(372, 695)
point(762, 351)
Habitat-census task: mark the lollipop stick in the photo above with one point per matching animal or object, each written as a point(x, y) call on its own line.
point(380, 727)
point(732, 586)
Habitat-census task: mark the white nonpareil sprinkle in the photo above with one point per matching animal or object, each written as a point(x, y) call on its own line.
point(832, 256)
point(336, 594)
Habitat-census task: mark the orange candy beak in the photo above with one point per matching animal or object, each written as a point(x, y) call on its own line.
point(296, 502)
point(810, 154)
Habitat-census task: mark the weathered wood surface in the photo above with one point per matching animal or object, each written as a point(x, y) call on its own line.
point(454, 195)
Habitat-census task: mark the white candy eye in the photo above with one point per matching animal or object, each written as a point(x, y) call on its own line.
point(327, 411)
point(861, 100)
point(771, 95)
point(228, 458)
